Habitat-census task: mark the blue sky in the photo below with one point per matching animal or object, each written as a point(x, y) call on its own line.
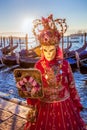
point(17, 15)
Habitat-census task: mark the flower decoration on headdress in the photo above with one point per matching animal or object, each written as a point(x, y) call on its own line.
point(49, 31)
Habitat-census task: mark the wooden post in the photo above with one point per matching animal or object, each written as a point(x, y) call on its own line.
point(26, 42)
point(11, 45)
point(67, 41)
point(20, 42)
point(4, 41)
point(82, 36)
point(85, 38)
point(1, 42)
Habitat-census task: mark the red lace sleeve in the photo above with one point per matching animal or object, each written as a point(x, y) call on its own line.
point(73, 91)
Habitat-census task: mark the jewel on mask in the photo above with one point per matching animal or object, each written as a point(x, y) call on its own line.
point(46, 76)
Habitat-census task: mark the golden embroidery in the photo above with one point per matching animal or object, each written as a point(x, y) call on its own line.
point(50, 74)
point(67, 124)
point(55, 91)
point(59, 124)
point(74, 122)
point(41, 122)
point(64, 113)
point(43, 113)
point(58, 113)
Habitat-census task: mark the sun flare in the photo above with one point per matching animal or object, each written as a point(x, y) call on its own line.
point(27, 25)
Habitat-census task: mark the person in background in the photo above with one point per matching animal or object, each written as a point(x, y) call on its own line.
point(60, 107)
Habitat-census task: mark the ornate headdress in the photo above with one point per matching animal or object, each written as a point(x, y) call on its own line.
point(49, 31)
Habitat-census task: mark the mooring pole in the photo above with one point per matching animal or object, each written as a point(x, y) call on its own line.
point(85, 38)
point(26, 42)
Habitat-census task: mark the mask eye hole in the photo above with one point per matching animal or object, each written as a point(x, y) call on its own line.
point(51, 50)
point(45, 50)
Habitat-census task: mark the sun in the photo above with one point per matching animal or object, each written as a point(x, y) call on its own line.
point(27, 25)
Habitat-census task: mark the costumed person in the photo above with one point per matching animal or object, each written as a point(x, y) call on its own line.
point(59, 108)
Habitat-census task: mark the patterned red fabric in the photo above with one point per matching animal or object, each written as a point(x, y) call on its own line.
point(59, 53)
point(58, 110)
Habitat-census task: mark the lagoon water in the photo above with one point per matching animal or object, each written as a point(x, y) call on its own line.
point(8, 85)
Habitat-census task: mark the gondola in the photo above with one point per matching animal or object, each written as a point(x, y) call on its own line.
point(8, 50)
point(67, 49)
point(9, 60)
point(29, 53)
point(83, 54)
point(72, 53)
point(82, 62)
point(83, 66)
point(4, 49)
point(2, 65)
point(26, 58)
point(27, 62)
point(72, 62)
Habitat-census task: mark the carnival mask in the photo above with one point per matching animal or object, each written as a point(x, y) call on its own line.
point(49, 52)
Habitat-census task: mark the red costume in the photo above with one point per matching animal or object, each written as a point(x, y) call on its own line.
point(59, 108)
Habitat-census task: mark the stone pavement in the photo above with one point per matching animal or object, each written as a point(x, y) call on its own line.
point(12, 115)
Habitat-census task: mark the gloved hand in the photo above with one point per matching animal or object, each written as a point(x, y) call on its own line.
point(32, 115)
